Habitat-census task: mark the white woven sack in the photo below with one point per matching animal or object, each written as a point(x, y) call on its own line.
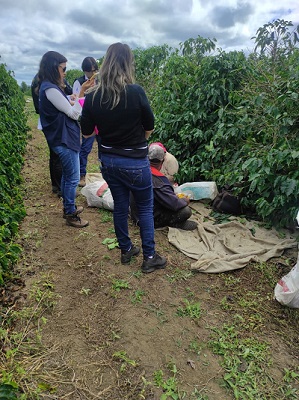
point(91, 192)
point(286, 291)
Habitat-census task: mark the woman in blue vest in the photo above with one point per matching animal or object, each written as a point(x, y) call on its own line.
point(59, 120)
point(54, 161)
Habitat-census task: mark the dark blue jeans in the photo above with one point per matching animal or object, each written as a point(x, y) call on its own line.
point(55, 171)
point(70, 176)
point(125, 175)
point(86, 147)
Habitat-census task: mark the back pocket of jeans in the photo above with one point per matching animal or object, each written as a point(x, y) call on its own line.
point(133, 177)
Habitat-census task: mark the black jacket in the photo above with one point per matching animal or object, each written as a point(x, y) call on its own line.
point(164, 195)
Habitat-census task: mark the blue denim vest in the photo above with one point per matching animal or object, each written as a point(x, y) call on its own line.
point(58, 128)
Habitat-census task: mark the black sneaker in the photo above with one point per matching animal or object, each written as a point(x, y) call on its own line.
point(186, 226)
point(127, 255)
point(151, 264)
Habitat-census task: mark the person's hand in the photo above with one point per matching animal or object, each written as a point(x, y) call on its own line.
point(73, 97)
point(184, 196)
point(187, 199)
point(88, 84)
point(85, 86)
point(88, 136)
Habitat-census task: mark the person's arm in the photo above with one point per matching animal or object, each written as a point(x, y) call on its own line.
point(148, 133)
point(85, 86)
point(165, 196)
point(147, 115)
point(86, 121)
point(62, 104)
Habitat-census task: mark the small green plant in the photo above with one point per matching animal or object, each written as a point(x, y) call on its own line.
point(122, 356)
point(158, 313)
point(85, 235)
point(115, 336)
point(268, 272)
point(249, 300)
point(195, 347)
point(85, 291)
point(189, 294)
point(43, 292)
point(137, 274)
point(119, 284)
point(170, 385)
point(290, 375)
point(225, 304)
point(192, 310)
point(196, 395)
point(179, 274)
point(220, 218)
point(111, 243)
point(137, 296)
point(93, 167)
point(106, 216)
point(230, 280)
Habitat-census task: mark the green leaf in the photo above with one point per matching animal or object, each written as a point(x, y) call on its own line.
point(8, 392)
point(288, 186)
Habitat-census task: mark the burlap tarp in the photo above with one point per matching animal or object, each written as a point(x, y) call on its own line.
point(228, 246)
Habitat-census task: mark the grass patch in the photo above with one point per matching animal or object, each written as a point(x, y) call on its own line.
point(247, 362)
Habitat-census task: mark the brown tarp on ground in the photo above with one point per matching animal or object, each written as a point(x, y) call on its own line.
point(227, 246)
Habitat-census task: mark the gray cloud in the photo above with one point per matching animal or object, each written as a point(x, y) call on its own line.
point(163, 7)
point(226, 17)
point(83, 28)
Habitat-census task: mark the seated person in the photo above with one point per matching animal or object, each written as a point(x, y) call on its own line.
point(170, 165)
point(169, 209)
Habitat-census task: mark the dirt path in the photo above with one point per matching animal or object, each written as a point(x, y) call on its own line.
point(109, 332)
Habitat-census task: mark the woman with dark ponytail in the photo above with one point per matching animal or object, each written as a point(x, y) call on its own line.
point(59, 121)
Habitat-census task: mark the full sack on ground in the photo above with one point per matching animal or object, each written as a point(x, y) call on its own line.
point(98, 195)
point(286, 291)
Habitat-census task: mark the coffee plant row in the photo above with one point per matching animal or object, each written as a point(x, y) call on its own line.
point(13, 139)
point(232, 118)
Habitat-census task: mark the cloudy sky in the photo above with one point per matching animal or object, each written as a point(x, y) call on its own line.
point(86, 28)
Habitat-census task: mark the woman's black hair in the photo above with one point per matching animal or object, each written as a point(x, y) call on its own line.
point(48, 69)
point(89, 64)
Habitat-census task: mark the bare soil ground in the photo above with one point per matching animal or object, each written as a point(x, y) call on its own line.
point(107, 331)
